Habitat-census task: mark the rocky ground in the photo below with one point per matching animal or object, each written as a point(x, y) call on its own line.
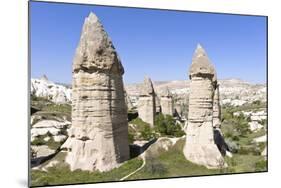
point(155, 152)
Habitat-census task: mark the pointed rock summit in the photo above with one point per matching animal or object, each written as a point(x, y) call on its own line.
point(95, 50)
point(44, 78)
point(147, 87)
point(201, 63)
point(146, 103)
point(200, 147)
point(98, 137)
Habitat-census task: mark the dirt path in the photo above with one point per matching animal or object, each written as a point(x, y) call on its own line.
point(143, 164)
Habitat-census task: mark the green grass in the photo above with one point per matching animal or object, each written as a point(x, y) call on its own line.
point(254, 106)
point(172, 163)
point(61, 174)
point(50, 143)
point(61, 108)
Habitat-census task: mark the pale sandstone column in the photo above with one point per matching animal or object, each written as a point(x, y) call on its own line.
point(216, 108)
point(166, 102)
point(98, 138)
point(146, 103)
point(200, 147)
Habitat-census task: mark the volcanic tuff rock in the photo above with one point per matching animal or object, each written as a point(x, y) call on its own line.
point(146, 103)
point(216, 108)
point(44, 88)
point(166, 102)
point(200, 147)
point(98, 138)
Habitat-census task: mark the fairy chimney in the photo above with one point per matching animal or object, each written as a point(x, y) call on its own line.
point(200, 147)
point(146, 103)
point(98, 137)
point(166, 102)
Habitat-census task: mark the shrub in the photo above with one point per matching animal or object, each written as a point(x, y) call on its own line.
point(154, 166)
point(166, 125)
point(143, 128)
point(261, 165)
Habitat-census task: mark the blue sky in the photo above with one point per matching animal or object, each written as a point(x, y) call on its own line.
point(157, 43)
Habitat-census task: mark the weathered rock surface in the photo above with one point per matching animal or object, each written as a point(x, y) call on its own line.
point(200, 147)
point(216, 108)
point(98, 138)
point(128, 101)
point(146, 103)
point(56, 93)
point(52, 127)
point(157, 104)
point(167, 102)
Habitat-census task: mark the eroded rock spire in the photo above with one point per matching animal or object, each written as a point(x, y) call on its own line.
point(167, 102)
point(98, 137)
point(146, 103)
point(200, 147)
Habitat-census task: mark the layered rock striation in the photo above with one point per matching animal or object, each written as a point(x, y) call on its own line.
point(216, 107)
point(200, 147)
point(98, 138)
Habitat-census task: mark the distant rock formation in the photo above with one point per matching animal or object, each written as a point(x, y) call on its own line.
point(98, 138)
point(128, 101)
point(157, 104)
point(46, 89)
point(200, 147)
point(167, 102)
point(146, 103)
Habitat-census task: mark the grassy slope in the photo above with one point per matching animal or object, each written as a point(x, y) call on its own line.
point(172, 163)
point(61, 174)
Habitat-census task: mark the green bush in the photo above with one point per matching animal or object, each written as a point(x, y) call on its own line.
point(261, 165)
point(142, 130)
point(167, 126)
point(154, 166)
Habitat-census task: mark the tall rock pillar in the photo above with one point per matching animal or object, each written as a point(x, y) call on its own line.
point(98, 138)
point(167, 102)
point(146, 103)
point(200, 147)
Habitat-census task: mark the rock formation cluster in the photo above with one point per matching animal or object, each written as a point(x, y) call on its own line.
point(98, 138)
point(146, 103)
point(200, 147)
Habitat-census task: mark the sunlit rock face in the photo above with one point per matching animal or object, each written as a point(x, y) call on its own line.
point(216, 108)
point(200, 147)
point(98, 138)
point(146, 103)
point(167, 102)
